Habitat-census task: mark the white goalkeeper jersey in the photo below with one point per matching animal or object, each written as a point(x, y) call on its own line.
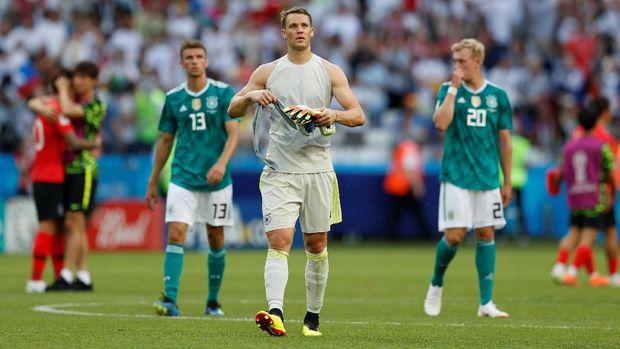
point(308, 84)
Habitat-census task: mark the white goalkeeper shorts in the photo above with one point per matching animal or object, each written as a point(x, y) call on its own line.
point(186, 206)
point(311, 197)
point(470, 209)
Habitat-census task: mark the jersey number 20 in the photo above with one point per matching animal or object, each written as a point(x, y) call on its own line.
point(198, 121)
point(476, 117)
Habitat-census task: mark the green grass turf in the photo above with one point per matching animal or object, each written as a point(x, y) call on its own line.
point(374, 300)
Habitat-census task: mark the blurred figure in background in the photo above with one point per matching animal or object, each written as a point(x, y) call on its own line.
point(404, 182)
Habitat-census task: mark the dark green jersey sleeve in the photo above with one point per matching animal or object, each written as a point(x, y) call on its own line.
point(505, 116)
point(227, 96)
point(167, 122)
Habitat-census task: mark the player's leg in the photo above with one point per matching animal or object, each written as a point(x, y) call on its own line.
point(180, 207)
point(567, 244)
point(276, 278)
point(281, 202)
point(611, 248)
point(48, 199)
point(217, 206)
point(488, 216)
point(320, 209)
point(455, 217)
point(83, 280)
point(316, 274)
point(58, 248)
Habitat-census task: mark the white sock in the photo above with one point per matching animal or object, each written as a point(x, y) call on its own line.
point(84, 276)
point(276, 276)
point(317, 269)
point(67, 275)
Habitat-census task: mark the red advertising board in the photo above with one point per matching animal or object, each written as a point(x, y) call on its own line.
point(126, 225)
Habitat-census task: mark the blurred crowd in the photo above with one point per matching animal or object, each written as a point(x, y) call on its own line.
point(549, 55)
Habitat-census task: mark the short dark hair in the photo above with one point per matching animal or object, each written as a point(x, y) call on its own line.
point(297, 10)
point(191, 44)
point(86, 68)
point(588, 117)
point(600, 104)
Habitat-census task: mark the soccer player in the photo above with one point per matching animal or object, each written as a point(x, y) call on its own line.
point(52, 134)
point(81, 172)
point(200, 190)
point(601, 107)
point(304, 184)
point(476, 117)
point(587, 164)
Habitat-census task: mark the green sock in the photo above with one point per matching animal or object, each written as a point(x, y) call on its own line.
point(216, 261)
point(173, 265)
point(443, 256)
point(485, 263)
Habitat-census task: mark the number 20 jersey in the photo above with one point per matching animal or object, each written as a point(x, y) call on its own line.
point(198, 120)
point(471, 146)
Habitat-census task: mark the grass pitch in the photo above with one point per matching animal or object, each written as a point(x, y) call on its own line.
point(374, 300)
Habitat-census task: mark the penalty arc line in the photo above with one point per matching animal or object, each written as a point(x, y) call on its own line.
point(58, 309)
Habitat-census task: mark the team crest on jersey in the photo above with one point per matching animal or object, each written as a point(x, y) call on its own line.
point(196, 104)
point(491, 101)
point(212, 102)
point(476, 101)
point(267, 218)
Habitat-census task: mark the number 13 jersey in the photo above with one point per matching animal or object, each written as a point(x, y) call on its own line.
point(198, 119)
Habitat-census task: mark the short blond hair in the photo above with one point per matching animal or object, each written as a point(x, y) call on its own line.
point(475, 46)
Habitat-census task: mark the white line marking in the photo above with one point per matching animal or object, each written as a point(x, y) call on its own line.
point(58, 309)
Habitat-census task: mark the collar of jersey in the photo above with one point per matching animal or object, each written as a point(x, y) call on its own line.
point(484, 85)
point(196, 94)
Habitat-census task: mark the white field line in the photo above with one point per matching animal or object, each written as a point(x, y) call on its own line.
point(500, 323)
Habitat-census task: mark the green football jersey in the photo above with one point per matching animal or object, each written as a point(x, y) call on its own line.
point(87, 127)
point(471, 147)
point(198, 120)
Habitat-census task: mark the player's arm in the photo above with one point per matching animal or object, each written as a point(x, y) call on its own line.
point(162, 152)
point(40, 105)
point(77, 143)
point(254, 92)
point(217, 171)
point(505, 160)
point(445, 112)
point(68, 107)
point(353, 114)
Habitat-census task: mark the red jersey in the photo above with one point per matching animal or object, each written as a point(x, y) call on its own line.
point(50, 145)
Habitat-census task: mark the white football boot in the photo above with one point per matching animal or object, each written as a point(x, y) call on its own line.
point(432, 302)
point(490, 310)
point(35, 286)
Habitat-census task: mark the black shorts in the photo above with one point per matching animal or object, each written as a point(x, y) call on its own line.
point(582, 221)
point(610, 218)
point(80, 192)
point(48, 200)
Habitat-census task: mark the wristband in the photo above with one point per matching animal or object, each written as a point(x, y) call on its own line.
point(452, 90)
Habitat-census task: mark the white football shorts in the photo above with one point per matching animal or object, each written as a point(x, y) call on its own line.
point(470, 209)
point(186, 206)
point(312, 197)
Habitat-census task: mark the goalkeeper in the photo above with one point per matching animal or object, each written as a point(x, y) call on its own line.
point(302, 183)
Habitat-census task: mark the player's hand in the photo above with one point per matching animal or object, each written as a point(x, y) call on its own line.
point(456, 78)
point(62, 83)
point(50, 113)
point(216, 173)
point(324, 117)
point(506, 194)
point(299, 114)
point(262, 97)
point(151, 195)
